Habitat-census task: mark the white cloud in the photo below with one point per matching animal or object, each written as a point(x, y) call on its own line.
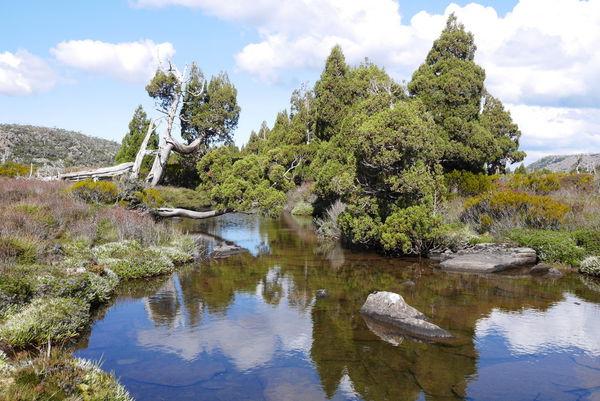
point(557, 130)
point(542, 53)
point(130, 61)
point(22, 73)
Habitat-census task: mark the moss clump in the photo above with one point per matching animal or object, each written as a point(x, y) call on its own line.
point(590, 266)
point(19, 250)
point(551, 246)
point(128, 260)
point(96, 191)
point(57, 378)
point(43, 320)
point(302, 208)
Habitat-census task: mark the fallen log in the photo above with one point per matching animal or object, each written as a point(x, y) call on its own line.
point(192, 214)
point(104, 172)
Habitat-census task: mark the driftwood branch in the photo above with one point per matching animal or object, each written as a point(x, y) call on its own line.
point(104, 172)
point(192, 214)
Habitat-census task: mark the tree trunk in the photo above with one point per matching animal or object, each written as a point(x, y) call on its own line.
point(104, 172)
point(139, 158)
point(169, 212)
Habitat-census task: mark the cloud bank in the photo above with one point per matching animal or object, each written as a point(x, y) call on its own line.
point(128, 61)
point(22, 73)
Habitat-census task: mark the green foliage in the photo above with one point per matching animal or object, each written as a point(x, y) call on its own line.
point(332, 95)
point(60, 377)
point(138, 127)
point(45, 319)
point(414, 230)
point(590, 266)
point(451, 86)
point(551, 246)
point(15, 289)
point(302, 208)
point(589, 240)
point(465, 183)
point(509, 209)
point(19, 250)
point(184, 198)
point(12, 169)
point(95, 191)
point(150, 198)
point(541, 182)
point(210, 111)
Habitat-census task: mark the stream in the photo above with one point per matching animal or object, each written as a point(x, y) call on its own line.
point(250, 327)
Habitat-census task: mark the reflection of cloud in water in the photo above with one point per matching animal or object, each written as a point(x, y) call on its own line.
point(250, 333)
point(571, 323)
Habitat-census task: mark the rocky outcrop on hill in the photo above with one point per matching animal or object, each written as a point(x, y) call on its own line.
point(566, 163)
point(57, 147)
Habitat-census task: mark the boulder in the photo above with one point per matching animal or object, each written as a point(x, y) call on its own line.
point(391, 309)
point(489, 258)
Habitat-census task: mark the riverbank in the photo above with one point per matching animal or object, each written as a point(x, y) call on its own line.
point(63, 252)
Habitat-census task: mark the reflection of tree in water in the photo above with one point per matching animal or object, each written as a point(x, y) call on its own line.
point(342, 343)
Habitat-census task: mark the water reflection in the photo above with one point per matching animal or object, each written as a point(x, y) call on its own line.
point(250, 328)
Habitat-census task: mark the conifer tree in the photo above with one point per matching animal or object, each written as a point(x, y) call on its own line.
point(332, 95)
point(138, 126)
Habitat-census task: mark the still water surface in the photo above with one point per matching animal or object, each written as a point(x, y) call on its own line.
point(251, 328)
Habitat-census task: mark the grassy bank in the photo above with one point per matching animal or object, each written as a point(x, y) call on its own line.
point(63, 251)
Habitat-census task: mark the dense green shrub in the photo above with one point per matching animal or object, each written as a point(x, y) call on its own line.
point(19, 250)
point(590, 266)
point(465, 183)
point(45, 319)
point(551, 246)
point(59, 377)
point(589, 240)
point(95, 191)
point(150, 198)
point(414, 230)
point(513, 209)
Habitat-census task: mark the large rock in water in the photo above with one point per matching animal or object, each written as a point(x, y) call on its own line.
point(390, 308)
point(488, 258)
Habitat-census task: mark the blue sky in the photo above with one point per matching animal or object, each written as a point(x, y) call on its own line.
point(83, 65)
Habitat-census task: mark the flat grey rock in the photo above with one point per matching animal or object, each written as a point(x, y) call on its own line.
point(489, 260)
point(391, 309)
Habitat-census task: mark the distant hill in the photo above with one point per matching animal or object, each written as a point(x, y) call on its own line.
point(53, 146)
point(567, 163)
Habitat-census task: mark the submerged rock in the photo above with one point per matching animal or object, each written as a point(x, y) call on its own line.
point(225, 249)
point(391, 309)
point(321, 293)
point(540, 269)
point(489, 258)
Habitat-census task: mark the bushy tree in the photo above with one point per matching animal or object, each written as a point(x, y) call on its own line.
point(451, 85)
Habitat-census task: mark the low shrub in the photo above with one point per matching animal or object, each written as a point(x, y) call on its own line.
point(45, 319)
point(414, 230)
point(589, 240)
point(551, 246)
point(57, 378)
point(302, 208)
point(501, 210)
point(149, 198)
point(91, 287)
point(328, 226)
point(184, 198)
point(590, 266)
point(96, 191)
point(15, 289)
point(18, 250)
point(12, 169)
point(465, 183)
point(547, 182)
